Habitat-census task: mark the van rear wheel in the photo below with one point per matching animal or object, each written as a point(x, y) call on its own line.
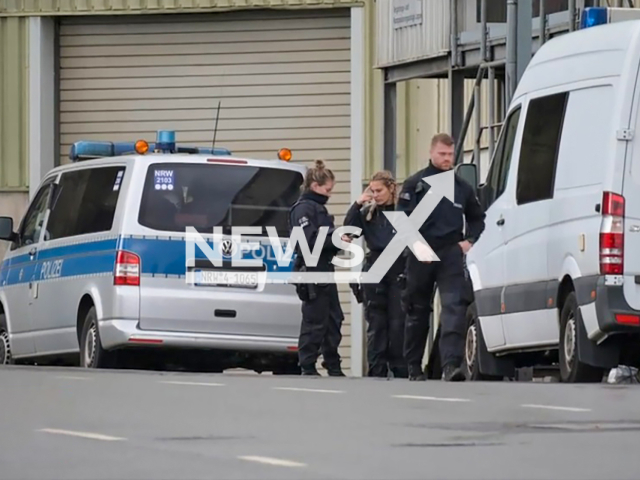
point(92, 355)
point(572, 370)
point(5, 345)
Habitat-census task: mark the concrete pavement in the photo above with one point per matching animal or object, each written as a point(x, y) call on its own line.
point(72, 423)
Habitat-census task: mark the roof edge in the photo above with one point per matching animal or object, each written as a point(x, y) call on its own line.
point(34, 8)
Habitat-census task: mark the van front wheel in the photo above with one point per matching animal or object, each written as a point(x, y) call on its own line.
point(572, 370)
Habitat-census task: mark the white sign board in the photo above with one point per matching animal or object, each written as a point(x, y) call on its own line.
point(407, 13)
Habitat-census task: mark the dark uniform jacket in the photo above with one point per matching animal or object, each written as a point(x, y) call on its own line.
point(378, 232)
point(446, 224)
point(310, 213)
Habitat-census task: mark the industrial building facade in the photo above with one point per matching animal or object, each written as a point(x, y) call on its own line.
point(288, 73)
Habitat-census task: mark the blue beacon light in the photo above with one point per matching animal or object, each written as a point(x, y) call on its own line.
point(593, 16)
point(166, 141)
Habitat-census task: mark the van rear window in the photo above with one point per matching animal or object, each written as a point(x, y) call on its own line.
point(204, 196)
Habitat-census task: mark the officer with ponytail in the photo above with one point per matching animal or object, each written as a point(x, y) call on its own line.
point(322, 314)
point(382, 302)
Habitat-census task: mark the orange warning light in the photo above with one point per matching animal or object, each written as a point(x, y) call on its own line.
point(285, 154)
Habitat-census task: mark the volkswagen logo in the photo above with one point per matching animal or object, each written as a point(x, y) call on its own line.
point(228, 248)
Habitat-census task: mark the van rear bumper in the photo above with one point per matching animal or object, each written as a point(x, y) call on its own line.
point(613, 311)
point(117, 333)
point(602, 337)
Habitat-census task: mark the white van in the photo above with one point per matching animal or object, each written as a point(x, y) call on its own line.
point(556, 273)
point(99, 265)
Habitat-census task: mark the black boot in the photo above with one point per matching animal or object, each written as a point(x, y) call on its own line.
point(310, 371)
point(333, 370)
point(453, 374)
point(416, 374)
point(400, 372)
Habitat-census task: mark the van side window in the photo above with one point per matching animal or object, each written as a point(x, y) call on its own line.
point(497, 175)
point(85, 202)
point(539, 151)
point(32, 223)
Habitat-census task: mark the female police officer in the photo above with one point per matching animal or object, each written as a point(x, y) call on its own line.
point(322, 314)
point(382, 302)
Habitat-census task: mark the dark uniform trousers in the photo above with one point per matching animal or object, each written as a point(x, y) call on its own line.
point(385, 322)
point(449, 275)
point(320, 332)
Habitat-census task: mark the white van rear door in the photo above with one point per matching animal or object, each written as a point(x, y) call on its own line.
point(631, 194)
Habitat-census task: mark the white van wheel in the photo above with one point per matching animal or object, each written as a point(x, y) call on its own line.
point(471, 349)
point(572, 370)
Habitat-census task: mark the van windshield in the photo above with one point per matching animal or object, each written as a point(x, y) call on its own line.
point(204, 196)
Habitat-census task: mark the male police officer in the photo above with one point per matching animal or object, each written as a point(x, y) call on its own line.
point(443, 231)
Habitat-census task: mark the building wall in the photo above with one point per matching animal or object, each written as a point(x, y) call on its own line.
point(422, 111)
point(14, 146)
point(23, 106)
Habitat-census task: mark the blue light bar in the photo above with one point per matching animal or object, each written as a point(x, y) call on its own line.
point(86, 150)
point(593, 16)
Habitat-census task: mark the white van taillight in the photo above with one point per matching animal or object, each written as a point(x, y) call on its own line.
point(127, 270)
point(612, 234)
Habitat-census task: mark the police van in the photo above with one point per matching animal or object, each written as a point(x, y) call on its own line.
point(556, 273)
point(100, 265)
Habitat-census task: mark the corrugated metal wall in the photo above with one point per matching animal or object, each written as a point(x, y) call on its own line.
point(115, 7)
point(430, 37)
point(283, 79)
point(14, 107)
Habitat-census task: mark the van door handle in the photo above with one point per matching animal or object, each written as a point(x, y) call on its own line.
point(33, 251)
point(500, 221)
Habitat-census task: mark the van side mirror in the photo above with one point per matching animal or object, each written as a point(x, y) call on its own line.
point(469, 173)
point(6, 229)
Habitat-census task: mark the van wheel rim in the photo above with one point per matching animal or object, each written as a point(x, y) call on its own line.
point(5, 349)
point(570, 341)
point(470, 347)
point(90, 346)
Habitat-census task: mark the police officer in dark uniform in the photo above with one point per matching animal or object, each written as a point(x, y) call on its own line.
point(322, 314)
point(382, 302)
point(443, 231)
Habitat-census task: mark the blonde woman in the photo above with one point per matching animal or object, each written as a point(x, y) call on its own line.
point(322, 314)
point(382, 303)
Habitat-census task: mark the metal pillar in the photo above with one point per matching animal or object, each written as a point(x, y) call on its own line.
point(456, 102)
point(453, 28)
point(478, 126)
point(512, 48)
point(390, 126)
point(525, 36)
point(572, 15)
point(483, 30)
point(543, 23)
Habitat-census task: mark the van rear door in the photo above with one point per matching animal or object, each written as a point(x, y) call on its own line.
point(631, 194)
point(204, 196)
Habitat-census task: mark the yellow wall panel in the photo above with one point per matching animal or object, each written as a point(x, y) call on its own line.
point(14, 84)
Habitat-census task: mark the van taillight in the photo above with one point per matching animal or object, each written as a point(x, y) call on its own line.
point(612, 234)
point(127, 271)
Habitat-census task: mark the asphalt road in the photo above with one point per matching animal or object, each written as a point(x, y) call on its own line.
point(58, 423)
